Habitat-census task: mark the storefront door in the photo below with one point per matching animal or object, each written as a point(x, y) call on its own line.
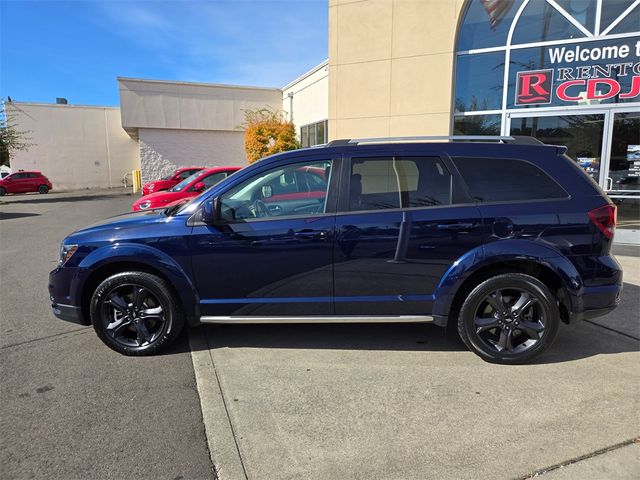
point(605, 142)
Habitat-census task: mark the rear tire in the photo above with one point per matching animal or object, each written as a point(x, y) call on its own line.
point(510, 319)
point(42, 189)
point(135, 313)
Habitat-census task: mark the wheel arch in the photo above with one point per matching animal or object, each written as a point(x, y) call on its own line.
point(541, 262)
point(122, 258)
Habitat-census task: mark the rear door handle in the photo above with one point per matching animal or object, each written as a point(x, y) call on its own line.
point(455, 226)
point(309, 234)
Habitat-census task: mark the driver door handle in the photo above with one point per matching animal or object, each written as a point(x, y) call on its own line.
point(456, 226)
point(309, 234)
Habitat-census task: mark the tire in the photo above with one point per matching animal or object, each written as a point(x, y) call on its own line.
point(135, 313)
point(527, 325)
point(42, 189)
point(2, 192)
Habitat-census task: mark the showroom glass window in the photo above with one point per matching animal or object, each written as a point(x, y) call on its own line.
point(514, 55)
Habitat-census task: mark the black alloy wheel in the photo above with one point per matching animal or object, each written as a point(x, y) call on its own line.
point(43, 189)
point(135, 313)
point(509, 318)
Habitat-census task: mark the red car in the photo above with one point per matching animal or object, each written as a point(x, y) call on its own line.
point(189, 187)
point(24, 182)
point(170, 180)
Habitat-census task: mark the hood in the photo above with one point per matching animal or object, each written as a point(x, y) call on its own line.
point(121, 226)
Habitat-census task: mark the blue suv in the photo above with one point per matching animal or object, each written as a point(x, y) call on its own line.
point(497, 238)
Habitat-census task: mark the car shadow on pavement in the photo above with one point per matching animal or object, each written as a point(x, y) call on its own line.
point(576, 341)
point(12, 215)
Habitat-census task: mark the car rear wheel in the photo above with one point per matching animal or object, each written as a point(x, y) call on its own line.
point(135, 313)
point(510, 318)
point(2, 191)
point(43, 189)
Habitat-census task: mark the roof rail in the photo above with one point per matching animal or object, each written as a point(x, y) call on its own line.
point(518, 140)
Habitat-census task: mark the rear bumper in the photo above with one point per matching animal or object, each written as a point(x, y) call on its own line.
point(598, 301)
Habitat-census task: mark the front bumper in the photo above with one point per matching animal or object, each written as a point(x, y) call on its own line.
point(68, 313)
point(65, 303)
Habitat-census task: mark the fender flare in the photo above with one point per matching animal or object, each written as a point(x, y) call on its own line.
point(141, 254)
point(504, 251)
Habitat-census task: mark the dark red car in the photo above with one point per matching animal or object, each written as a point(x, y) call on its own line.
point(24, 182)
point(188, 188)
point(169, 181)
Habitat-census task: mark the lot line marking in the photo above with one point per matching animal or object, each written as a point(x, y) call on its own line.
point(586, 456)
point(612, 330)
point(221, 438)
point(27, 342)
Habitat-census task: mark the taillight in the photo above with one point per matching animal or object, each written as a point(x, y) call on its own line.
point(605, 218)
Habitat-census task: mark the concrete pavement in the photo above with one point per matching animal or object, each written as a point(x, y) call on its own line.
point(403, 401)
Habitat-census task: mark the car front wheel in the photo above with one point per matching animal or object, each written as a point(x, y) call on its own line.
point(43, 189)
point(135, 313)
point(510, 318)
point(2, 191)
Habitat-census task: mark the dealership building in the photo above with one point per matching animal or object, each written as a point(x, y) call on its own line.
point(564, 71)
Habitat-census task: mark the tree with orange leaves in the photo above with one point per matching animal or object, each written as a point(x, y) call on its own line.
point(267, 132)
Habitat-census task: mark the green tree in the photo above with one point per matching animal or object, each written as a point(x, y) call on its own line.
point(267, 132)
point(12, 139)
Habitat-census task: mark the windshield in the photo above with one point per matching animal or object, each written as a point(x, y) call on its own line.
point(167, 177)
point(179, 187)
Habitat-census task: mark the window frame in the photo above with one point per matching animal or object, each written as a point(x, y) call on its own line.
point(456, 180)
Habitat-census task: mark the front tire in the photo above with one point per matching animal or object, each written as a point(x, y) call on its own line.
point(135, 313)
point(510, 319)
point(42, 189)
point(2, 191)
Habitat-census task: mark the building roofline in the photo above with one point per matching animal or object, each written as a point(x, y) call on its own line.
point(305, 75)
point(196, 84)
point(59, 105)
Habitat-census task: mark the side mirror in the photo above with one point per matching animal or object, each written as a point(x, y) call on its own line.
point(210, 211)
point(199, 187)
point(8, 179)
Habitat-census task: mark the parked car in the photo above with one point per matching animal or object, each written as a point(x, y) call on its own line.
point(25, 182)
point(191, 186)
point(165, 183)
point(499, 240)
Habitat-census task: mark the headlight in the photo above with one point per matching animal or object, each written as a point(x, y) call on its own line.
point(66, 252)
point(144, 205)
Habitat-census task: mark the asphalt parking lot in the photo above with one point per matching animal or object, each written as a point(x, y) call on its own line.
point(314, 401)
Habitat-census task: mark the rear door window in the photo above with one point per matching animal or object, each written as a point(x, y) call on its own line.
point(506, 180)
point(398, 182)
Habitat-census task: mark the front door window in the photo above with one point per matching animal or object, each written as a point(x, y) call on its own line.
point(299, 189)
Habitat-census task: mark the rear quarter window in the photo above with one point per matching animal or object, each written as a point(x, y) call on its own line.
point(507, 180)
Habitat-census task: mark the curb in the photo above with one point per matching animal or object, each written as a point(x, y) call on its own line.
point(221, 440)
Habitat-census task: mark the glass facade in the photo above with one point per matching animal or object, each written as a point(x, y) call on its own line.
point(563, 71)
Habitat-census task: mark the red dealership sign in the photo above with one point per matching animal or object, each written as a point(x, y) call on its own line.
point(534, 87)
point(576, 80)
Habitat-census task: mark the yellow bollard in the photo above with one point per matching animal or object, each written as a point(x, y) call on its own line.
point(137, 180)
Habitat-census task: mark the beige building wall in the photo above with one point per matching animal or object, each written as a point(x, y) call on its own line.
point(391, 66)
point(75, 146)
point(182, 124)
